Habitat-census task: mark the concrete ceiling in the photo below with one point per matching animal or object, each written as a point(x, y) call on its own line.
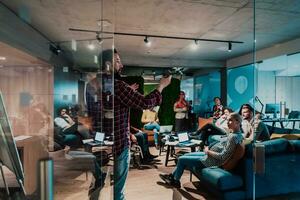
point(10, 56)
point(276, 21)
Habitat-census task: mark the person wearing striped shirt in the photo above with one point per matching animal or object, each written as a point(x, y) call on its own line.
point(213, 156)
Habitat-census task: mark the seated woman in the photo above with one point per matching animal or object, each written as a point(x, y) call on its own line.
point(217, 155)
point(220, 127)
point(150, 119)
point(137, 136)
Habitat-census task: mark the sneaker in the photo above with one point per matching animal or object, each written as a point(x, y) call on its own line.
point(169, 179)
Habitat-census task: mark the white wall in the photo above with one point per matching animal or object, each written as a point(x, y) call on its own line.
point(266, 87)
point(287, 89)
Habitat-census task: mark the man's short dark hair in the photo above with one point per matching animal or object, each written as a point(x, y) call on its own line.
point(248, 106)
point(60, 109)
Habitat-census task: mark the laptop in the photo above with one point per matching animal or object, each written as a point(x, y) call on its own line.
point(99, 139)
point(165, 129)
point(184, 139)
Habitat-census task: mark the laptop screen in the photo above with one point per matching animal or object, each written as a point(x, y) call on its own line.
point(182, 137)
point(99, 137)
point(165, 129)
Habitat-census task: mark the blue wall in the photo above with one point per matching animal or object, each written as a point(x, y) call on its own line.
point(65, 88)
point(240, 86)
point(206, 87)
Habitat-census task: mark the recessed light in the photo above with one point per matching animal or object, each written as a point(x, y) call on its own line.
point(2, 58)
point(91, 46)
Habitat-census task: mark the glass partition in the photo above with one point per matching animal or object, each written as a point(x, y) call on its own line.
point(277, 70)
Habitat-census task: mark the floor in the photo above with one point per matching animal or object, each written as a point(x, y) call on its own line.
point(142, 184)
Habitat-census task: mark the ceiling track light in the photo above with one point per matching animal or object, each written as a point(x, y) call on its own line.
point(196, 42)
point(100, 40)
point(55, 48)
point(229, 47)
point(157, 36)
point(146, 39)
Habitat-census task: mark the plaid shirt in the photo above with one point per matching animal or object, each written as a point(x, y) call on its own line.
point(124, 99)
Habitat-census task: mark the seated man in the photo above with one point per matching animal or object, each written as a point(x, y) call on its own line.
point(252, 126)
point(150, 119)
point(142, 140)
point(217, 155)
point(220, 127)
point(68, 126)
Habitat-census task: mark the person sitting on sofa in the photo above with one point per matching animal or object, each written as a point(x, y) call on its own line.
point(216, 155)
point(151, 121)
point(141, 138)
point(68, 126)
point(252, 126)
point(220, 127)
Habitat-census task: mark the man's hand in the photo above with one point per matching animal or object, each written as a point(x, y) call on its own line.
point(206, 149)
point(134, 86)
point(164, 82)
point(133, 138)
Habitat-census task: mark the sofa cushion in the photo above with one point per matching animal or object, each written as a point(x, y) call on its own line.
point(295, 145)
point(271, 147)
point(234, 195)
point(275, 146)
point(221, 179)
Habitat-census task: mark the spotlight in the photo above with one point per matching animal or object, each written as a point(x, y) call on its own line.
point(229, 47)
point(146, 39)
point(58, 49)
point(54, 48)
point(197, 42)
point(147, 42)
point(100, 40)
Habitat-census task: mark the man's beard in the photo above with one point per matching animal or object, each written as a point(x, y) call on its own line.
point(117, 75)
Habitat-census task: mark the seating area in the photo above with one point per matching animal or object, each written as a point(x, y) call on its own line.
point(281, 166)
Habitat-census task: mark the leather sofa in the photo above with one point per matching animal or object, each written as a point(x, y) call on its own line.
point(281, 176)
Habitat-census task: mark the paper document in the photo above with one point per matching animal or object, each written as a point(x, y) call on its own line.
point(171, 143)
point(109, 143)
point(196, 141)
point(87, 141)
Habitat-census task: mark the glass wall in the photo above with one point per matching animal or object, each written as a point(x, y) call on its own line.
point(277, 70)
point(206, 87)
point(57, 87)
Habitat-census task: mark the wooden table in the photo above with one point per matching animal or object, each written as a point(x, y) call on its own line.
point(31, 150)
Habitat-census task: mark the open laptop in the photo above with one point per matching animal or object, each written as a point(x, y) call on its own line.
point(184, 139)
point(99, 139)
point(165, 129)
